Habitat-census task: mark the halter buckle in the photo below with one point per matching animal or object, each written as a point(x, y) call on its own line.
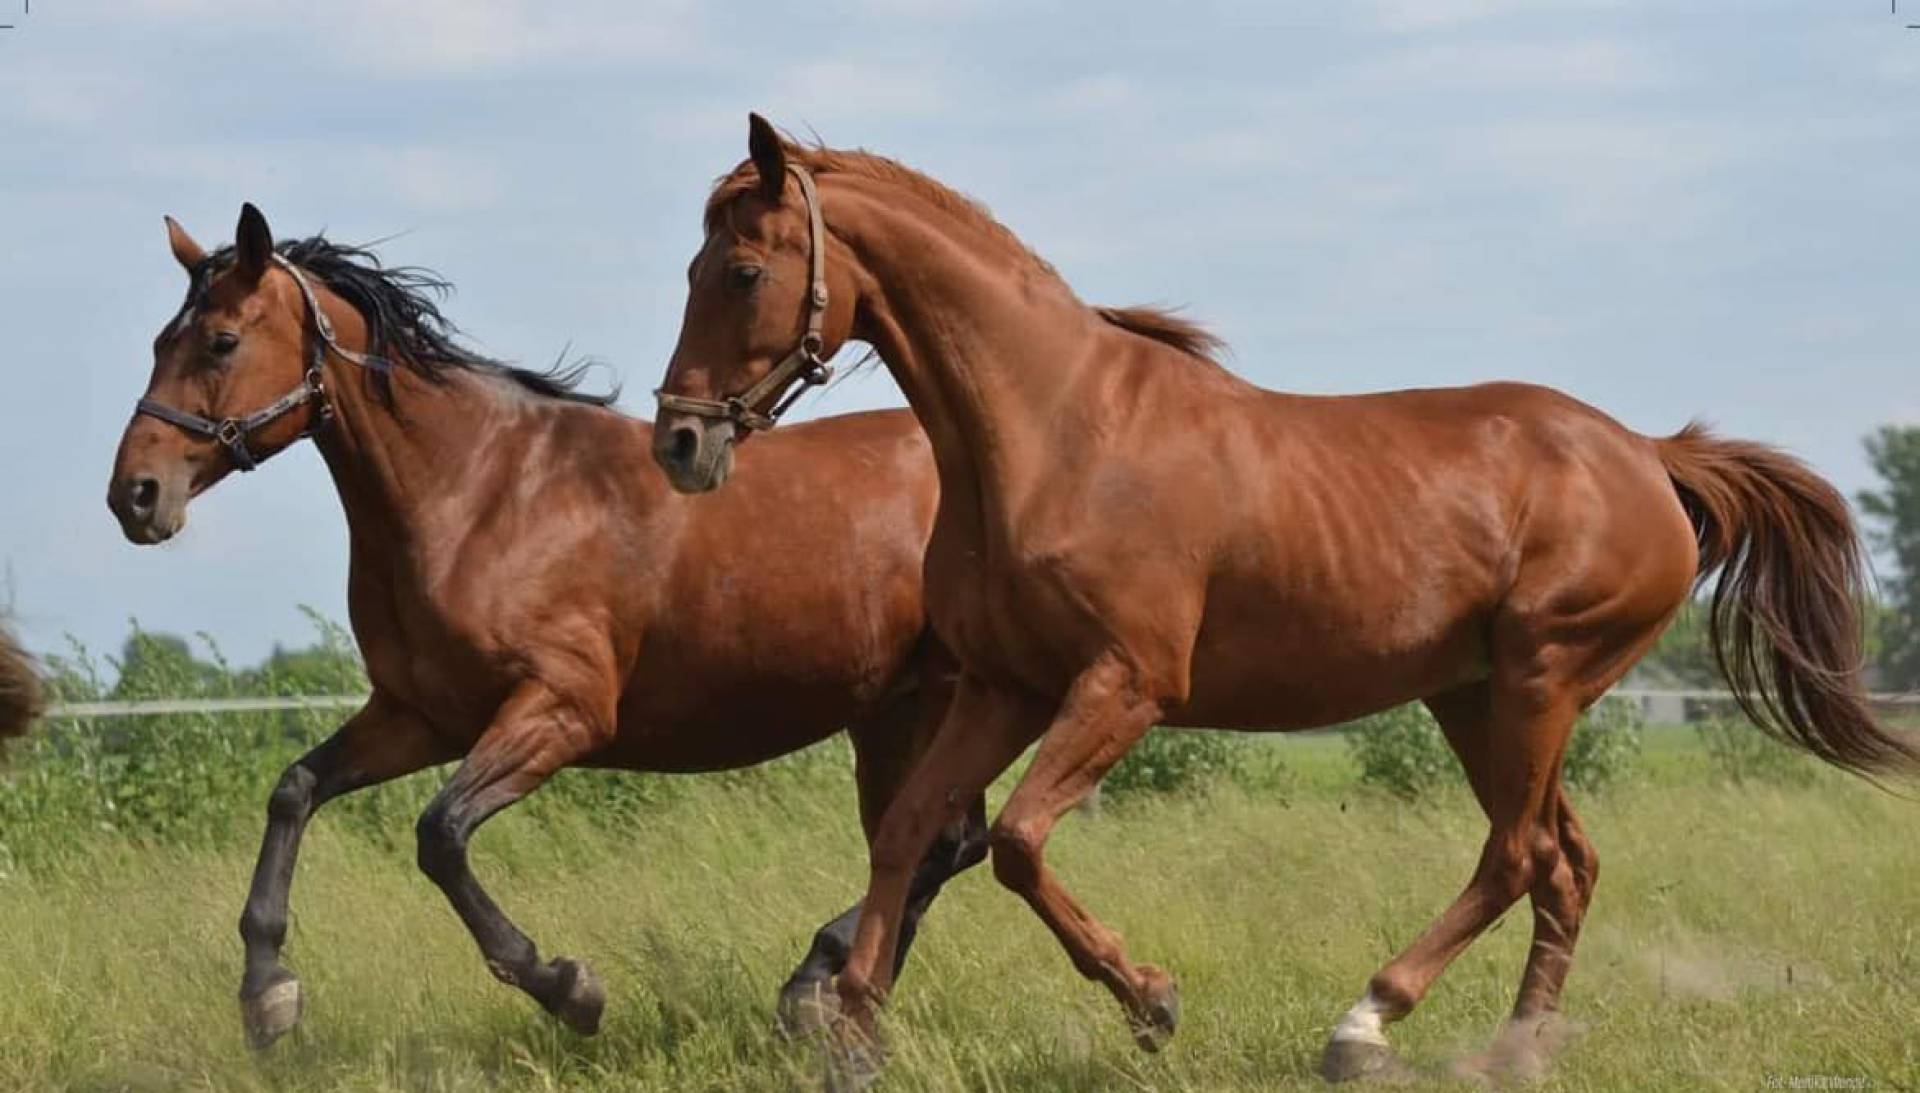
point(230, 433)
point(317, 394)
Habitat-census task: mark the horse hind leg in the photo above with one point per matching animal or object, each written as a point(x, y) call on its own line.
point(1562, 890)
point(1561, 895)
point(535, 733)
point(1509, 735)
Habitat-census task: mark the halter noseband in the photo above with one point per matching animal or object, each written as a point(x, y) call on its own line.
point(232, 433)
point(804, 362)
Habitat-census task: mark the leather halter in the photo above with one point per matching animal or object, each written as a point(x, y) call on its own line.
point(804, 362)
point(232, 433)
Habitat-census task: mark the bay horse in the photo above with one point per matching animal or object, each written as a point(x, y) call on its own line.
point(527, 592)
point(21, 694)
point(1129, 535)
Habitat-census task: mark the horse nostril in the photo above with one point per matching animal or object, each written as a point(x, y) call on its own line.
point(684, 442)
point(142, 495)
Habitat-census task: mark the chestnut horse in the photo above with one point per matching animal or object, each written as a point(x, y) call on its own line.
point(525, 589)
point(21, 696)
point(1129, 534)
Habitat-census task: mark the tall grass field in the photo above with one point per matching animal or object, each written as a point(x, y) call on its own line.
point(1757, 923)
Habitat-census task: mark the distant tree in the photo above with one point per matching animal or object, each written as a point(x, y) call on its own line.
point(330, 666)
point(155, 664)
point(1894, 511)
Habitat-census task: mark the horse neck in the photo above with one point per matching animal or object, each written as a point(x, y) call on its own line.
point(988, 347)
point(397, 461)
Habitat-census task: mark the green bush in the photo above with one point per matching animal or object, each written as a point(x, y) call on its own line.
point(1402, 751)
point(1606, 745)
point(1174, 760)
point(202, 780)
point(1741, 754)
point(174, 779)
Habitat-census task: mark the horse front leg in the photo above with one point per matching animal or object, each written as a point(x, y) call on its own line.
point(535, 733)
point(885, 747)
point(807, 999)
point(983, 731)
point(381, 742)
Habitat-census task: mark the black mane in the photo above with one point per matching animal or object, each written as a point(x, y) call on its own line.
point(399, 305)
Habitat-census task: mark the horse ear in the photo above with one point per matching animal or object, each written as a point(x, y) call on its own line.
point(252, 243)
point(769, 154)
point(185, 251)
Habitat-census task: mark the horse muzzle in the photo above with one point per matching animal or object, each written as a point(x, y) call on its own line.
point(695, 452)
point(151, 509)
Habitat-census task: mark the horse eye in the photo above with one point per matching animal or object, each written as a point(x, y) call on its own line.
point(224, 342)
point(742, 278)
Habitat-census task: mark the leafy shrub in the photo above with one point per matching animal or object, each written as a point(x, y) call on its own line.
point(1741, 754)
point(1173, 760)
point(202, 780)
point(1402, 751)
point(1606, 745)
point(180, 779)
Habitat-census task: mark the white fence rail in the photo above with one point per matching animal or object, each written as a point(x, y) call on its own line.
point(1649, 699)
point(74, 710)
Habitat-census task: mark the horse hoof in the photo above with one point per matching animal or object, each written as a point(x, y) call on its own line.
point(1362, 1060)
point(1154, 1025)
point(807, 1009)
point(272, 1013)
point(853, 1066)
point(581, 999)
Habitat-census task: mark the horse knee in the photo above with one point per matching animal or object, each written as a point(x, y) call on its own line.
point(441, 846)
point(1016, 849)
point(292, 796)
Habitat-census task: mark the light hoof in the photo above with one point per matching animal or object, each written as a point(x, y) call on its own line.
point(581, 998)
point(806, 1009)
point(272, 1013)
point(1155, 1023)
point(1362, 1060)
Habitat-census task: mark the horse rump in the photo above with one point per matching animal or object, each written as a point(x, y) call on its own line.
point(21, 695)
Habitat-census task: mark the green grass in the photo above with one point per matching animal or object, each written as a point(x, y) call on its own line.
point(1739, 933)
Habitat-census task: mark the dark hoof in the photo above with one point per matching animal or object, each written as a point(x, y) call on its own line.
point(1153, 1026)
point(807, 1008)
point(1360, 1060)
point(854, 1062)
point(581, 999)
point(272, 1012)
point(1522, 1053)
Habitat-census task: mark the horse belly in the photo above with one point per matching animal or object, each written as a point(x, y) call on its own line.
point(671, 728)
point(1283, 666)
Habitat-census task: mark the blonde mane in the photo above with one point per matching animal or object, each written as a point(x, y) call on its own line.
point(1159, 324)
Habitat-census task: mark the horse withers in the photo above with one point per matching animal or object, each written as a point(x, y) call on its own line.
point(1129, 534)
point(526, 591)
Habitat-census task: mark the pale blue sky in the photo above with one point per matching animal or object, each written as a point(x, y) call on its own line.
point(1667, 209)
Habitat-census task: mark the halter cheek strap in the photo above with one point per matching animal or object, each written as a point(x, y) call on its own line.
point(232, 433)
point(804, 362)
